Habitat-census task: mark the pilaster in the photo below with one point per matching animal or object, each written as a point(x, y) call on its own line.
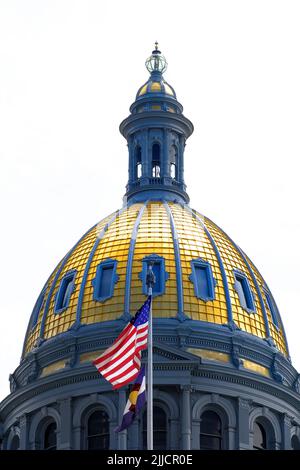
point(66, 424)
point(24, 430)
point(185, 417)
point(286, 424)
point(244, 407)
point(122, 436)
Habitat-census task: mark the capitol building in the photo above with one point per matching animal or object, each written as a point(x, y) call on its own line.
point(223, 377)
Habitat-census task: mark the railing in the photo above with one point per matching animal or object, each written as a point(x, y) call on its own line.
point(155, 181)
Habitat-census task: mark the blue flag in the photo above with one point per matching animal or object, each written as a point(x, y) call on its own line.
point(136, 401)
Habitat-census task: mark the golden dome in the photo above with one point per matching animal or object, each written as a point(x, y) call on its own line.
point(178, 235)
point(158, 85)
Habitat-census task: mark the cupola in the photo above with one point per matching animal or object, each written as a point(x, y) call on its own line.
point(156, 132)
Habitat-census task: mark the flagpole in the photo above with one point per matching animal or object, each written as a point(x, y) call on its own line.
point(150, 282)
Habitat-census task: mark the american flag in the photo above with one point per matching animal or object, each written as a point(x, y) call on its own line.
point(120, 364)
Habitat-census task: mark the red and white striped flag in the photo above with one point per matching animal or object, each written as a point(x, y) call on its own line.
point(120, 364)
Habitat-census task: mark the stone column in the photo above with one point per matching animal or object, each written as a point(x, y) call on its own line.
point(148, 154)
point(77, 437)
point(24, 430)
point(165, 155)
point(131, 162)
point(66, 424)
point(122, 436)
point(243, 423)
point(286, 432)
point(181, 159)
point(185, 417)
point(174, 434)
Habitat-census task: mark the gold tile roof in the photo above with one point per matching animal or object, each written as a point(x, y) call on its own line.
point(134, 232)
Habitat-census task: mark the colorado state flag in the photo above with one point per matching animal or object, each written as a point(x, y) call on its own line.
point(136, 401)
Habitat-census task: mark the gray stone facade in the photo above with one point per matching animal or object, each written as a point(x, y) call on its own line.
point(185, 385)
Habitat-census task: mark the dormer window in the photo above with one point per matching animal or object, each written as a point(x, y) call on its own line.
point(105, 280)
point(203, 280)
point(244, 292)
point(161, 276)
point(156, 160)
point(64, 292)
point(272, 307)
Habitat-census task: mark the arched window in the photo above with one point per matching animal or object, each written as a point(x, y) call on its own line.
point(15, 443)
point(259, 437)
point(174, 162)
point(138, 161)
point(50, 437)
point(98, 431)
point(210, 431)
point(159, 429)
point(156, 160)
point(295, 443)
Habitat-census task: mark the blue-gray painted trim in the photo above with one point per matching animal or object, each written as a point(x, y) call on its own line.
point(281, 323)
point(29, 329)
point(70, 275)
point(96, 282)
point(249, 295)
point(126, 314)
point(262, 305)
point(221, 265)
point(211, 281)
point(63, 263)
point(164, 276)
point(181, 315)
point(89, 262)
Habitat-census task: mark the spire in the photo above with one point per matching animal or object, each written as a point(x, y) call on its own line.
point(156, 132)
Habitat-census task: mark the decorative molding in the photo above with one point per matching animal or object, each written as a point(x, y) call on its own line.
point(211, 281)
point(97, 280)
point(67, 279)
point(128, 277)
point(249, 306)
point(274, 370)
point(235, 356)
point(220, 261)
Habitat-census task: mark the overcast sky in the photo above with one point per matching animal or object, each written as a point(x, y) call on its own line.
point(69, 71)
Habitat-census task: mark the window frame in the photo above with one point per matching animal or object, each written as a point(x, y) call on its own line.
point(46, 428)
point(156, 161)
point(143, 423)
point(272, 307)
point(220, 436)
point(87, 436)
point(37, 309)
point(263, 433)
point(67, 277)
point(248, 293)
point(96, 282)
point(164, 276)
point(212, 282)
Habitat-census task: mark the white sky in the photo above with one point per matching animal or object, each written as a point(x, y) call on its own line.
point(70, 69)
